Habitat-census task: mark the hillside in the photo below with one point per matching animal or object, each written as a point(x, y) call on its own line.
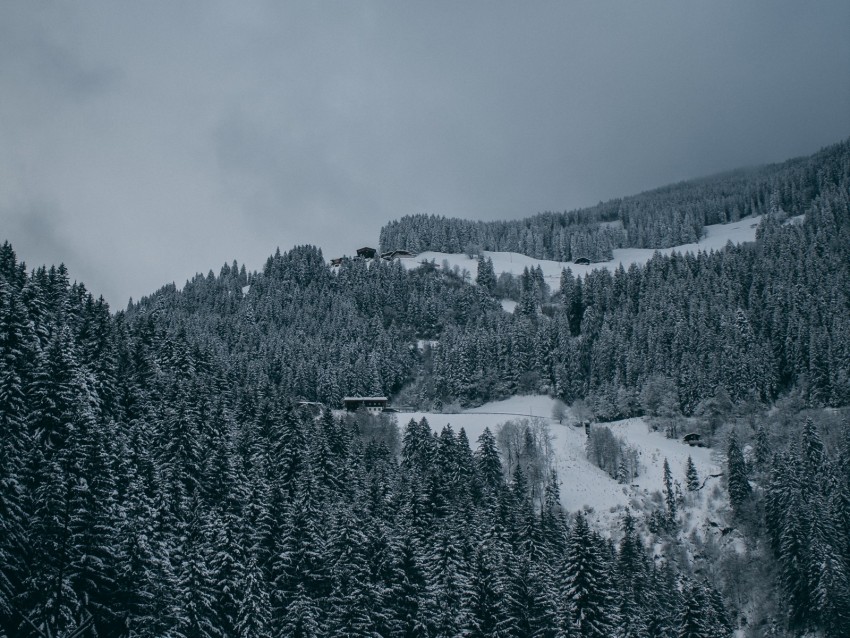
point(583, 485)
point(162, 475)
point(661, 218)
point(715, 238)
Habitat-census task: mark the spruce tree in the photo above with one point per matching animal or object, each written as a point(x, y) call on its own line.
point(448, 585)
point(486, 596)
point(736, 472)
point(486, 277)
point(407, 590)
point(489, 464)
point(14, 353)
point(692, 620)
point(669, 496)
point(691, 476)
point(762, 453)
point(588, 597)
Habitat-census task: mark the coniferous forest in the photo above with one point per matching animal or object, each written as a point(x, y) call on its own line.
point(668, 216)
point(161, 475)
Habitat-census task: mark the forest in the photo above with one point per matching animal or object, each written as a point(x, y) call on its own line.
point(158, 476)
point(661, 218)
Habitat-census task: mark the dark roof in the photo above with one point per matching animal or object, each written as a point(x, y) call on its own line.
point(392, 254)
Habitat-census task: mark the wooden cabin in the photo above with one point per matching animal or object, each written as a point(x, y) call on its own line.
point(336, 262)
point(366, 252)
point(581, 261)
point(372, 405)
point(693, 439)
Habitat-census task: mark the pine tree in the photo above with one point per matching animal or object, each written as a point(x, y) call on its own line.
point(527, 306)
point(193, 607)
point(137, 560)
point(225, 556)
point(691, 476)
point(736, 471)
point(352, 601)
point(553, 524)
point(811, 449)
point(486, 277)
point(669, 496)
point(489, 464)
point(692, 619)
point(632, 564)
point(589, 600)
point(762, 453)
point(407, 590)
point(448, 586)
point(486, 596)
point(832, 594)
point(663, 599)
point(14, 352)
point(302, 618)
point(719, 623)
point(93, 521)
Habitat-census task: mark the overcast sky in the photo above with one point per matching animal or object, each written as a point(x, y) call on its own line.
point(141, 142)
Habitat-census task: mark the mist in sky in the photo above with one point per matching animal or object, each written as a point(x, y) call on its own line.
point(143, 142)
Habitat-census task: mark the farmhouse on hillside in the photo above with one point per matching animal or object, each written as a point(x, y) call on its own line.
point(372, 405)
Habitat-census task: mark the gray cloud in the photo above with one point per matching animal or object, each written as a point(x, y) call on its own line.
point(171, 137)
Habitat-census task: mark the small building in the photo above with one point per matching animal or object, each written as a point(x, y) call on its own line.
point(693, 439)
point(393, 254)
point(336, 262)
point(581, 261)
point(366, 252)
point(372, 405)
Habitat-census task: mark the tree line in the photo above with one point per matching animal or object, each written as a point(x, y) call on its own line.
point(660, 218)
point(748, 322)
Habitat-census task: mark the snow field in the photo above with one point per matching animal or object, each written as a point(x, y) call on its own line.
point(583, 485)
point(716, 237)
point(508, 305)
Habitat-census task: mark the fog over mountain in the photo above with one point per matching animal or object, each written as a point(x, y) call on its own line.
point(142, 142)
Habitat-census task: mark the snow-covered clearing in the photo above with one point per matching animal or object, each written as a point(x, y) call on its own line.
point(716, 237)
point(508, 305)
point(583, 485)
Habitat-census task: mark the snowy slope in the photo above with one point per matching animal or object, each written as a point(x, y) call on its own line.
point(583, 485)
point(716, 237)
